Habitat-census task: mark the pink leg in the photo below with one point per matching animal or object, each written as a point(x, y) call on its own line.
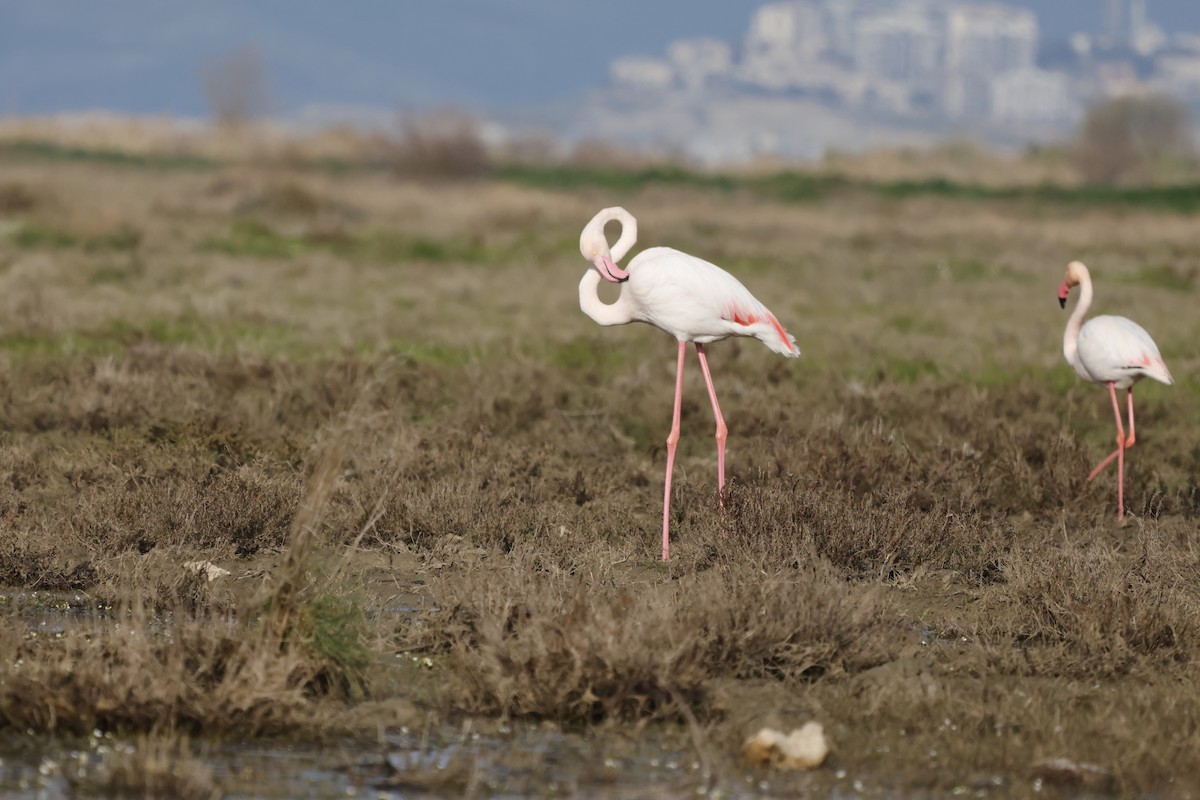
point(1120, 456)
point(722, 431)
point(1128, 440)
point(1131, 438)
point(1100, 467)
point(1119, 453)
point(672, 440)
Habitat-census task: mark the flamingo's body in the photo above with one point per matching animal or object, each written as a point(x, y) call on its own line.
point(687, 297)
point(1112, 351)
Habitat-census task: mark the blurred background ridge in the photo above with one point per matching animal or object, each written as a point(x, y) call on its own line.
point(712, 83)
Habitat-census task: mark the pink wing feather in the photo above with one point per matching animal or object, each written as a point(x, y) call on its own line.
point(1117, 349)
point(697, 301)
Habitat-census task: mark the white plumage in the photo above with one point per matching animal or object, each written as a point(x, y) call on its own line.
point(696, 301)
point(687, 297)
point(1119, 350)
point(1112, 351)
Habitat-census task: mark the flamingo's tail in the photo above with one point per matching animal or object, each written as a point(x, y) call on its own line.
point(774, 336)
point(1161, 373)
point(762, 325)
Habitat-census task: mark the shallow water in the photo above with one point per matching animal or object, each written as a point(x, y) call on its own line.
point(50, 613)
point(487, 759)
point(507, 761)
point(519, 763)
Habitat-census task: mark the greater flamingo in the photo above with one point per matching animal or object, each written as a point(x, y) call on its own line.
point(689, 298)
point(1109, 350)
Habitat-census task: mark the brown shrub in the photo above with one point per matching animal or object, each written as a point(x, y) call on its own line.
point(245, 508)
point(443, 144)
point(557, 647)
point(180, 660)
point(599, 154)
point(236, 86)
point(1122, 139)
point(203, 675)
point(17, 198)
point(877, 535)
point(1088, 609)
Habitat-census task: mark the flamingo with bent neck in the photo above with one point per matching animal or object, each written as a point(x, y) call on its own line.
point(1112, 351)
point(687, 297)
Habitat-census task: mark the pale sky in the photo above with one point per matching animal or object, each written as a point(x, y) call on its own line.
point(143, 55)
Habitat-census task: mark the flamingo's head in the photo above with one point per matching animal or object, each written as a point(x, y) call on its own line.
point(1076, 272)
point(593, 245)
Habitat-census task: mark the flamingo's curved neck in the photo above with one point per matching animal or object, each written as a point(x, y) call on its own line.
point(1071, 334)
point(617, 313)
point(628, 237)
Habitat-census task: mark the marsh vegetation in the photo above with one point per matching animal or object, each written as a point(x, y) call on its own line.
point(437, 485)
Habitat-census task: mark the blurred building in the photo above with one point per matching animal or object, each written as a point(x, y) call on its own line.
point(1033, 95)
point(1128, 28)
point(696, 61)
point(983, 42)
point(796, 28)
point(1179, 75)
point(905, 46)
point(928, 64)
point(642, 74)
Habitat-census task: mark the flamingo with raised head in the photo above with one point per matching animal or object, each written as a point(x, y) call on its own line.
point(1114, 351)
point(687, 297)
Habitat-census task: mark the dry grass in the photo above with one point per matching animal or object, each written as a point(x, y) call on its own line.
point(361, 395)
point(569, 649)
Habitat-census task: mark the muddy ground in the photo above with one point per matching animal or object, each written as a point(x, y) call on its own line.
point(437, 486)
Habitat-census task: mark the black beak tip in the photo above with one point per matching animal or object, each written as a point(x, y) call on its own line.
point(622, 280)
point(1062, 302)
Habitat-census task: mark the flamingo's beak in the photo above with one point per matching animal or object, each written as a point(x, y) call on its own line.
point(608, 268)
point(1063, 291)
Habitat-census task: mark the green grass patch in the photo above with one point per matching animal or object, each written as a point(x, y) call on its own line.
point(30, 150)
point(583, 354)
point(334, 628)
point(253, 239)
point(433, 353)
point(26, 345)
point(386, 246)
point(971, 270)
point(38, 235)
point(1162, 276)
point(116, 273)
point(188, 330)
point(994, 374)
point(250, 238)
point(1183, 198)
point(213, 335)
point(123, 239)
point(935, 187)
point(914, 323)
point(911, 370)
point(803, 187)
point(799, 187)
point(569, 178)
